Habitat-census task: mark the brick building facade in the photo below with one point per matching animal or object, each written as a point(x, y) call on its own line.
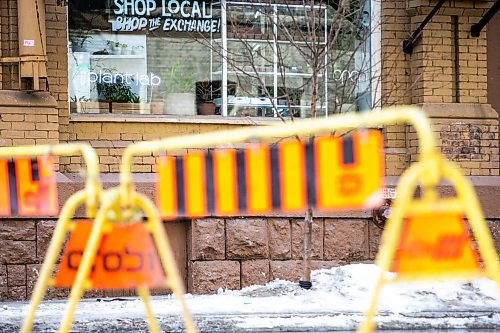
point(449, 73)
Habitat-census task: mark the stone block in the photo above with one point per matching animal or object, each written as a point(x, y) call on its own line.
point(280, 235)
point(298, 239)
point(346, 240)
point(247, 238)
point(3, 283)
point(494, 226)
point(207, 239)
point(32, 273)
point(323, 264)
point(290, 270)
point(254, 272)
point(374, 235)
point(17, 293)
point(17, 252)
point(206, 277)
point(17, 230)
point(16, 275)
point(44, 231)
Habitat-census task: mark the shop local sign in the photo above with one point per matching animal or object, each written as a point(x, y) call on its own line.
point(174, 15)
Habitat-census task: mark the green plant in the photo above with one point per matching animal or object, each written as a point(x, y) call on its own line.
point(117, 92)
point(78, 39)
point(179, 78)
point(112, 43)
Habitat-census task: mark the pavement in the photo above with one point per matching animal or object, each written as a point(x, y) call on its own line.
point(104, 317)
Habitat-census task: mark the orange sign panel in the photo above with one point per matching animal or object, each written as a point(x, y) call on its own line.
point(435, 244)
point(126, 259)
point(329, 173)
point(28, 187)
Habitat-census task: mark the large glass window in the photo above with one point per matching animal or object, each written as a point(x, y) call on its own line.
point(229, 58)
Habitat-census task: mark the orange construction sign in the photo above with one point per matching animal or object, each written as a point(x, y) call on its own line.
point(28, 187)
point(126, 259)
point(436, 244)
point(329, 173)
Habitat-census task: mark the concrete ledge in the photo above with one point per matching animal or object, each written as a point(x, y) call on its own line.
point(459, 110)
point(147, 118)
point(17, 99)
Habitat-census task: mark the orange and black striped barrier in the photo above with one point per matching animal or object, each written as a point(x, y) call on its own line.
point(28, 187)
point(327, 173)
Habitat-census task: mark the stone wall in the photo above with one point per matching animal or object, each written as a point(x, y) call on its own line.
point(237, 252)
point(228, 253)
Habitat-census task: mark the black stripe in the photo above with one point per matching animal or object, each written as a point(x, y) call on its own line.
point(242, 181)
point(179, 177)
point(347, 150)
point(35, 173)
point(14, 204)
point(275, 178)
point(209, 181)
point(310, 167)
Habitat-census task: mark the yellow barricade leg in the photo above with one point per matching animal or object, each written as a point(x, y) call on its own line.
point(60, 231)
point(475, 216)
point(152, 322)
point(88, 257)
point(166, 257)
point(405, 189)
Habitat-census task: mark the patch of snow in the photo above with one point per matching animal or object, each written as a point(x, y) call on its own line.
point(338, 298)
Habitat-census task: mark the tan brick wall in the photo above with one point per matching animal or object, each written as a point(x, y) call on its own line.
point(28, 119)
point(111, 138)
point(396, 82)
point(57, 55)
point(471, 140)
point(8, 43)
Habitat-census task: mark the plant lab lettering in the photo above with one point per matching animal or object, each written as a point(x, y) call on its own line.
point(127, 78)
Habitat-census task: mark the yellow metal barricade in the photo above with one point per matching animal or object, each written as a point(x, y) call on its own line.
point(89, 196)
point(449, 253)
point(107, 216)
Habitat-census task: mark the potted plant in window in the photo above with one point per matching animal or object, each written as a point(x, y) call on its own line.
point(119, 96)
point(180, 88)
point(204, 96)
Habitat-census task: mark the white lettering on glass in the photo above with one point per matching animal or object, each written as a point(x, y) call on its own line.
point(128, 78)
point(190, 16)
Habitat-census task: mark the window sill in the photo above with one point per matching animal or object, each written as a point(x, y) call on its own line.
point(120, 118)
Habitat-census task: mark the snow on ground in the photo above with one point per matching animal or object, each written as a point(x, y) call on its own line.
point(338, 298)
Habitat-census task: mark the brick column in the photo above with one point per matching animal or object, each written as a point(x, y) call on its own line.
point(447, 64)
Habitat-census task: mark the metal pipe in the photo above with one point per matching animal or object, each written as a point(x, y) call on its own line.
point(408, 43)
point(475, 30)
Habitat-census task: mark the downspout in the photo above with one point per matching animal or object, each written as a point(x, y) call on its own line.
point(32, 42)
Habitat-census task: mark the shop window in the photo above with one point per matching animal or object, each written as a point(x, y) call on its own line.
point(229, 58)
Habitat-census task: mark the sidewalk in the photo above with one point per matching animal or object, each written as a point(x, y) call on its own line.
point(335, 303)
